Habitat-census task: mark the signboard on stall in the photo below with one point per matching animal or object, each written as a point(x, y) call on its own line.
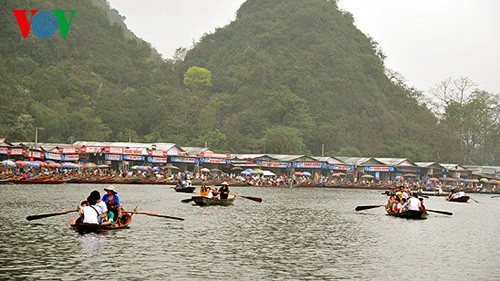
point(283, 165)
point(69, 150)
point(113, 157)
point(70, 157)
point(207, 154)
point(90, 149)
point(157, 159)
point(159, 153)
point(4, 150)
point(53, 156)
point(135, 151)
point(133, 157)
point(379, 169)
point(113, 150)
point(17, 151)
point(178, 159)
point(341, 167)
point(214, 161)
point(36, 154)
point(309, 165)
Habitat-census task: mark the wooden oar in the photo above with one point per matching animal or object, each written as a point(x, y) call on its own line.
point(187, 200)
point(440, 212)
point(495, 196)
point(256, 199)
point(155, 215)
point(41, 216)
point(366, 207)
point(473, 199)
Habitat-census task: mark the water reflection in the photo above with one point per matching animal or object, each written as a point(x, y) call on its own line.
point(295, 234)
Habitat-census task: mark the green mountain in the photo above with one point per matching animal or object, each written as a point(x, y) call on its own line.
point(303, 66)
point(99, 83)
point(286, 76)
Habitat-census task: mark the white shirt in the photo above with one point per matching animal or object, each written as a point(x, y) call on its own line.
point(103, 207)
point(413, 204)
point(90, 215)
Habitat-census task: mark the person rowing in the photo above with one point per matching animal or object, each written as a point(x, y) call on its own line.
point(112, 195)
point(224, 190)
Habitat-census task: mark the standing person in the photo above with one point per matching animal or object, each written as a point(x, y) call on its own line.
point(224, 190)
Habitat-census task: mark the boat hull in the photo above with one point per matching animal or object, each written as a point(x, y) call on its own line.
point(96, 228)
point(189, 189)
point(205, 201)
point(414, 215)
point(462, 199)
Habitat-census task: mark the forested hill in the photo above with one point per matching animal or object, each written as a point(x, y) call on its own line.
point(287, 76)
point(100, 83)
point(301, 67)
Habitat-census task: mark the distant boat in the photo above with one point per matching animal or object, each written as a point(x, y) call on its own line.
point(461, 199)
point(205, 201)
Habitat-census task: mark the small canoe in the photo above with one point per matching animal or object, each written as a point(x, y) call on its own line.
point(187, 189)
point(461, 199)
point(205, 201)
point(87, 227)
point(416, 215)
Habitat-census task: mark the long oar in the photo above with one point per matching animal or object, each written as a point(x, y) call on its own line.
point(187, 200)
point(440, 212)
point(41, 216)
point(495, 196)
point(155, 215)
point(473, 199)
point(256, 199)
point(366, 207)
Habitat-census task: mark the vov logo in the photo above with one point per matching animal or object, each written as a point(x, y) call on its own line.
point(44, 23)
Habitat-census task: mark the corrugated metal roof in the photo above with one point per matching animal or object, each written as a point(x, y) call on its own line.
point(327, 159)
point(287, 158)
point(195, 151)
point(397, 162)
point(159, 145)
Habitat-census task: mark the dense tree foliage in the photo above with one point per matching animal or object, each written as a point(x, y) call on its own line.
point(287, 76)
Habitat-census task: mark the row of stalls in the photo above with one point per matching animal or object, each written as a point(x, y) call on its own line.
point(128, 155)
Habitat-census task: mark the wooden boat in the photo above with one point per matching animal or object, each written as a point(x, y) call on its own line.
point(416, 215)
point(186, 189)
point(461, 199)
point(87, 227)
point(205, 201)
point(432, 193)
point(40, 180)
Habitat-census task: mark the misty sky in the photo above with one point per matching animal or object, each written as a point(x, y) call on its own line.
point(426, 41)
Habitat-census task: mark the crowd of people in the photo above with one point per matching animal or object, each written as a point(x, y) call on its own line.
point(403, 200)
point(102, 211)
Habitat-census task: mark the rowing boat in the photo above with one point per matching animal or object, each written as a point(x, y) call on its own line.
point(416, 215)
point(461, 199)
point(205, 201)
point(88, 227)
point(187, 189)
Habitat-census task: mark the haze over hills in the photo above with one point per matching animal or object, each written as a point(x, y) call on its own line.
point(287, 76)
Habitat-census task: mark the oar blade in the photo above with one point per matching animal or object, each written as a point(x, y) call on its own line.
point(366, 207)
point(256, 199)
point(440, 212)
point(41, 216)
point(187, 200)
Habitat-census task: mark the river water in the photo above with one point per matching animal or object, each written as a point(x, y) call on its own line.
point(294, 234)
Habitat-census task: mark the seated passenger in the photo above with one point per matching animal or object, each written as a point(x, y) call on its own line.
point(112, 207)
point(91, 213)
